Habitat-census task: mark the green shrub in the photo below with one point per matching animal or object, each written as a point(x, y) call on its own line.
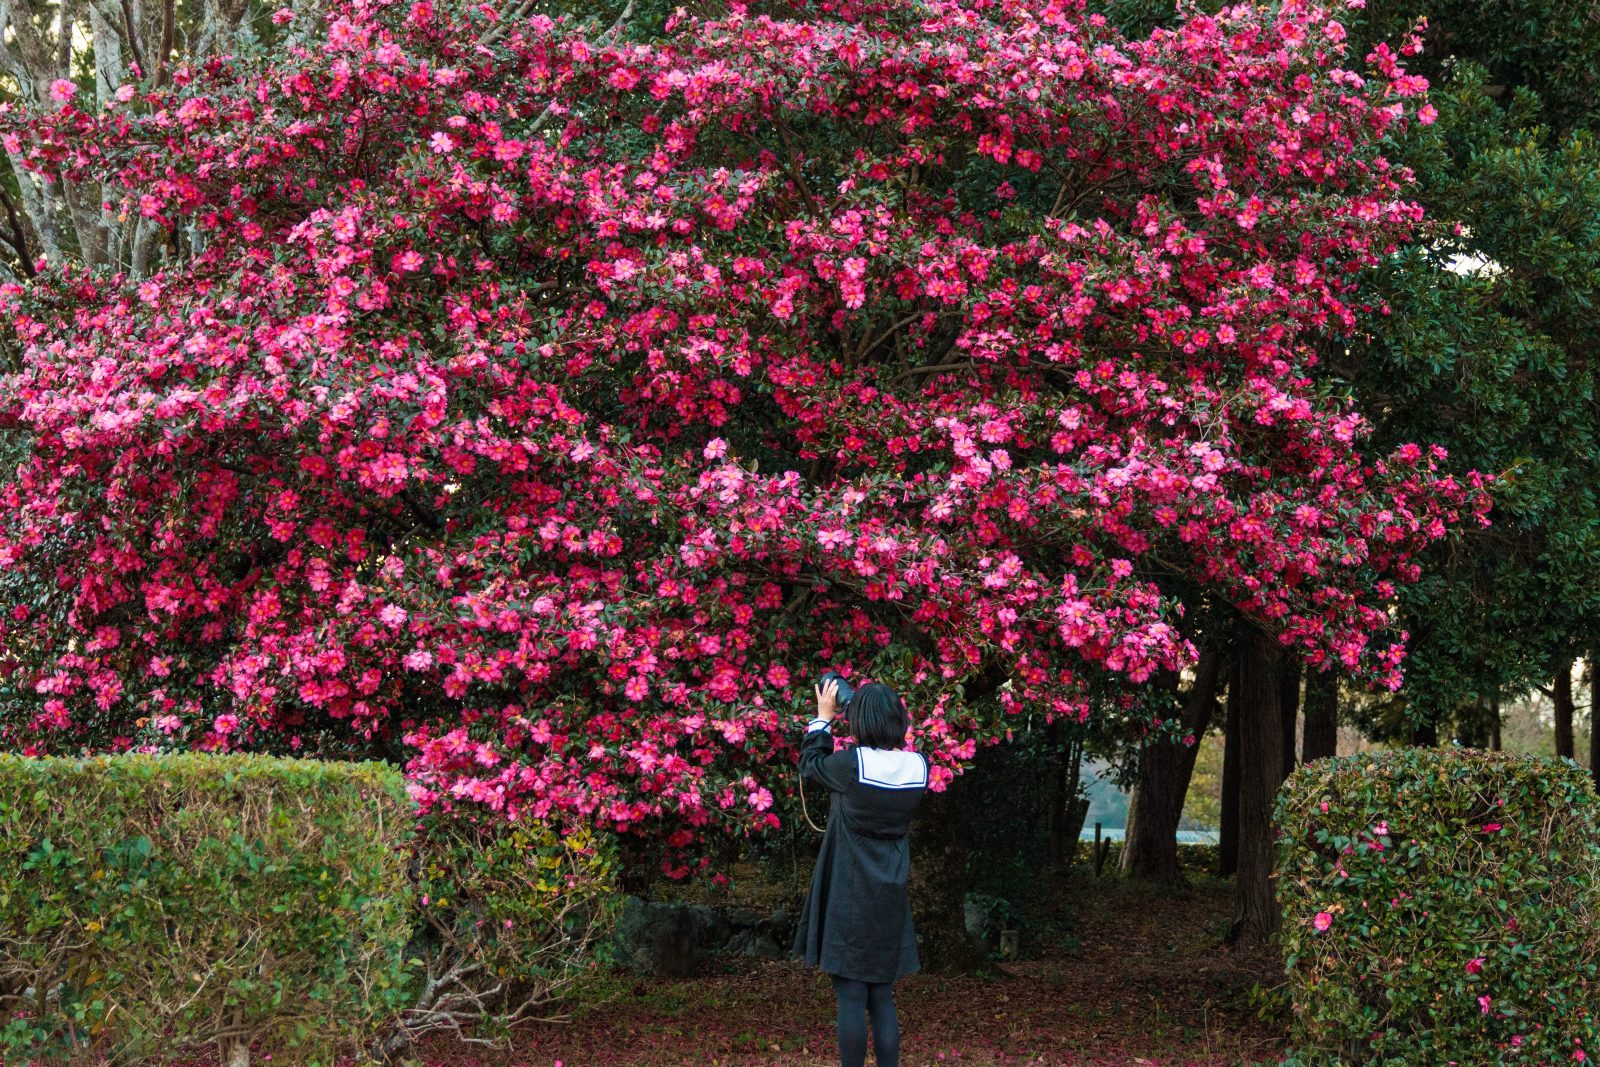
point(153, 904)
point(508, 915)
point(1441, 907)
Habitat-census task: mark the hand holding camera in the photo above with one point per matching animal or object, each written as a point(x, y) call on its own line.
point(833, 695)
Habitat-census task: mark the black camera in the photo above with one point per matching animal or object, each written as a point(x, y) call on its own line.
point(846, 691)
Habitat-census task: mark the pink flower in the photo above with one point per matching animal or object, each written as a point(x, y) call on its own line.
point(225, 724)
point(1491, 828)
point(1475, 966)
point(1483, 1003)
point(63, 90)
point(1322, 921)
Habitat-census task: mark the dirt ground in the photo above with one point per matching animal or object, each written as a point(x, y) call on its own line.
point(1133, 977)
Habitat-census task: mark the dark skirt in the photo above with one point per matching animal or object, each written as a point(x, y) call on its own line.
point(856, 922)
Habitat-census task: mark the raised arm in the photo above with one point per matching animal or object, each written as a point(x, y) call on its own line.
point(818, 743)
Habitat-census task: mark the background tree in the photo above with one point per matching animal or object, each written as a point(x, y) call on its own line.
point(1163, 772)
point(1487, 342)
point(94, 53)
point(1478, 338)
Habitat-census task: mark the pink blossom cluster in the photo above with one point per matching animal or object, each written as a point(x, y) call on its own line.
point(546, 408)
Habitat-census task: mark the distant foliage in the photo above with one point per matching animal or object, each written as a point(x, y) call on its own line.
point(1497, 363)
point(1441, 907)
point(150, 906)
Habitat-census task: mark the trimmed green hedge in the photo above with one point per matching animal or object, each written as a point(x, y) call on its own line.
point(1441, 907)
point(153, 904)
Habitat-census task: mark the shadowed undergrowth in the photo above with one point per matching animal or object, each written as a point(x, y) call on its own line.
point(1140, 979)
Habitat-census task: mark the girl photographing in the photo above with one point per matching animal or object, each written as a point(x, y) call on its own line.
point(856, 925)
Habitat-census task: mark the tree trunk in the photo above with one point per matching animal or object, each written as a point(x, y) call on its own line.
point(1561, 693)
point(42, 43)
point(1058, 802)
point(1322, 716)
point(1165, 770)
point(1255, 910)
point(1472, 725)
point(1289, 710)
point(1067, 806)
point(1228, 839)
point(1594, 718)
point(1494, 722)
point(234, 1050)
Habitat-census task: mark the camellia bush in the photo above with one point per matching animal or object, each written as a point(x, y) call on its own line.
point(1441, 907)
point(547, 404)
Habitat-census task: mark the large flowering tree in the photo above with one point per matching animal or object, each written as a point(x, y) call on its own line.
point(547, 406)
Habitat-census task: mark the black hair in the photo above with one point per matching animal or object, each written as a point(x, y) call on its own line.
point(878, 717)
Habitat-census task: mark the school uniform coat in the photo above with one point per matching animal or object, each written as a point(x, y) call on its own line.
point(856, 922)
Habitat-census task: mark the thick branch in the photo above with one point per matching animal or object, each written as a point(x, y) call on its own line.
point(18, 237)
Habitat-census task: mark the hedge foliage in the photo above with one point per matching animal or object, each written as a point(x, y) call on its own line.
point(508, 914)
point(150, 905)
point(1441, 907)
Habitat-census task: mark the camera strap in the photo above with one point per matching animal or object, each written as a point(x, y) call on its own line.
point(806, 810)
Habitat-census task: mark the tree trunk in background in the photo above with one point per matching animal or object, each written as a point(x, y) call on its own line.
point(1561, 694)
point(1594, 719)
point(1067, 804)
point(42, 41)
point(1165, 770)
point(1472, 724)
point(1228, 839)
point(1494, 722)
point(1322, 717)
point(1289, 709)
point(1058, 803)
point(1255, 906)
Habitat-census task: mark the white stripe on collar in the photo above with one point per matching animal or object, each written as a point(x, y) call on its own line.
point(891, 768)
